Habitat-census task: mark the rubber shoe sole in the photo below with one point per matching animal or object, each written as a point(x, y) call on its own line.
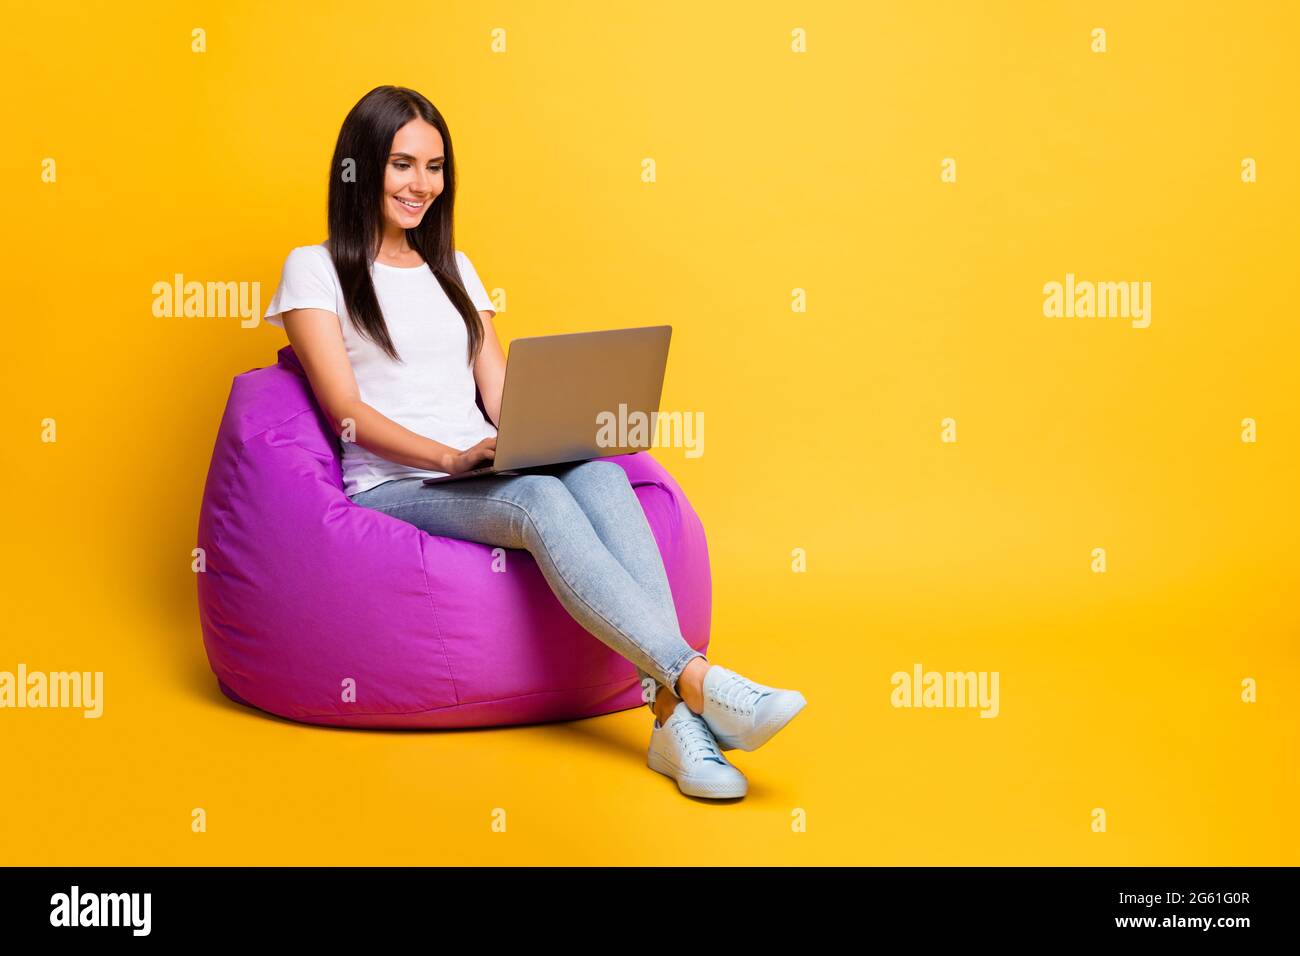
point(696, 788)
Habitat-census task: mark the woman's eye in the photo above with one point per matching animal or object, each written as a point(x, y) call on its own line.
point(432, 169)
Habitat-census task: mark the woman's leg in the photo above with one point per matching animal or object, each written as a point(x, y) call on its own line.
point(607, 498)
point(536, 512)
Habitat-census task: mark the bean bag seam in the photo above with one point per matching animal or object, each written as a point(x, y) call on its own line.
point(428, 592)
point(217, 522)
point(471, 703)
point(243, 443)
point(238, 465)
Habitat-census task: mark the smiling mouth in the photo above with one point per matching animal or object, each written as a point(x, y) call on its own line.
point(410, 204)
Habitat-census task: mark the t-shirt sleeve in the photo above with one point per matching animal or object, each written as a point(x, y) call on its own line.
point(306, 282)
point(473, 284)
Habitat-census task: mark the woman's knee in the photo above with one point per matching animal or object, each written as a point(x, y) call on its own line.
point(541, 494)
point(534, 485)
point(601, 473)
point(603, 468)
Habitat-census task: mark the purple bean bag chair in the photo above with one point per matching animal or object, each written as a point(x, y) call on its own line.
point(308, 599)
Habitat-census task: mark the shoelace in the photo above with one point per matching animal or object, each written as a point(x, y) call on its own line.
point(693, 736)
point(738, 694)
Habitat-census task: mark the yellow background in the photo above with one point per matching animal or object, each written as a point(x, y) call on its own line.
point(776, 171)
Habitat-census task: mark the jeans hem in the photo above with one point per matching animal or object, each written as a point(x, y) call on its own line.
point(675, 671)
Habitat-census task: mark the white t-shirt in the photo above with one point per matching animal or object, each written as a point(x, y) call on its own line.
point(432, 390)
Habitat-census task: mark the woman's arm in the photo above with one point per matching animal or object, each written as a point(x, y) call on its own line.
point(318, 343)
point(490, 370)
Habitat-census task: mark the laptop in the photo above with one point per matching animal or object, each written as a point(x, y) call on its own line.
point(575, 397)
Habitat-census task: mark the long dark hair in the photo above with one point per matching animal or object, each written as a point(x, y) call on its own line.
point(356, 197)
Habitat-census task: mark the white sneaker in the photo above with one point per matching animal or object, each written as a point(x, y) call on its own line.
point(683, 748)
point(742, 714)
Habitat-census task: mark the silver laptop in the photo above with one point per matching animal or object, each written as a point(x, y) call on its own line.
point(577, 396)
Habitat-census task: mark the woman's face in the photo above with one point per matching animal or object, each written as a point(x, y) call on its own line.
point(413, 176)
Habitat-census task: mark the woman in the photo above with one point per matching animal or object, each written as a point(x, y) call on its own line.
point(397, 382)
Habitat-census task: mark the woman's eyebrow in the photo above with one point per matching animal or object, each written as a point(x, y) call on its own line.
point(409, 156)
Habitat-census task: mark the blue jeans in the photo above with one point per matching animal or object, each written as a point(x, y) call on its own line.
point(583, 525)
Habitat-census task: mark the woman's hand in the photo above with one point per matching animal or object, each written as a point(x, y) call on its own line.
point(481, 454)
